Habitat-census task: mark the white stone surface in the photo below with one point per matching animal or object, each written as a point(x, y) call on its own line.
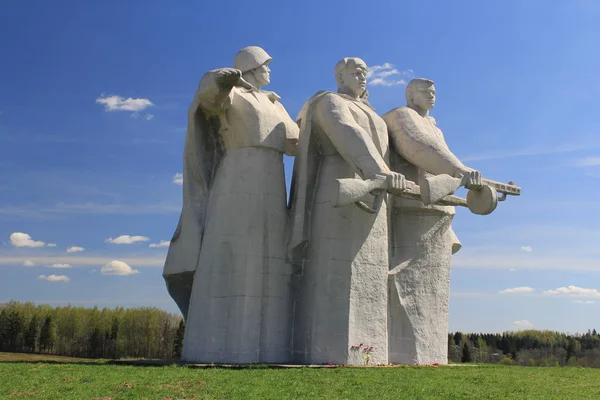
point(422, 237)
point(226, 265)
point(340, 254)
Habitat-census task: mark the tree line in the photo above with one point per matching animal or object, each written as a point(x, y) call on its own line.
point(149, 332)
point(527, 347)
point(144, 332)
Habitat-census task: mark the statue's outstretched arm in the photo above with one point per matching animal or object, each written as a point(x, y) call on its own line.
point(214, 92)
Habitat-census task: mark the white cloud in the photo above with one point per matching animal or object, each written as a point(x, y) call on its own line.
point(126, 239)
point(573, 291)
point(584, 301)
point(51, 244)
point(118, 103)
point(54, 278)
point(117, 267)
point(74, 249)
point(526, 248)
point(522, 324)
point(521, 289)
point(19, 239)
point(149, 117)
point(163, 243)
point(60, 266)
point(588, 162)
point(178, 179)
point(387, 75)
point(28, 263)
point(512, 270)
point(90, 261)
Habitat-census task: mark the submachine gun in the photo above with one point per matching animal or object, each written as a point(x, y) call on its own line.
point(433, 190)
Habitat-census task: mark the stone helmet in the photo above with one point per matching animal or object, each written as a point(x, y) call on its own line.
point(250, 57)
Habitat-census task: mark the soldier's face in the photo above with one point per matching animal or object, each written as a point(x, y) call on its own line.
point(424, 97)
point(263, 74)
point(354, 79)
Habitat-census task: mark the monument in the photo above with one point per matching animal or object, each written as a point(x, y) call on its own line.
point(422, 237)
point(226, 266)
point(356, 269)
point(340, 254)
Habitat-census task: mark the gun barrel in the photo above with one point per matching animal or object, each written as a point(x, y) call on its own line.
point(506, 188)
point(413, 192)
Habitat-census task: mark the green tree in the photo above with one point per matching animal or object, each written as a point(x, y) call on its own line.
point(47, 335)
point(14, 329)
point(178, 341)
point(96, 343)
point(31, 335)
point(466, 353)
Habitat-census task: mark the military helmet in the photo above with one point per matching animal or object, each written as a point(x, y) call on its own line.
point(250, 57)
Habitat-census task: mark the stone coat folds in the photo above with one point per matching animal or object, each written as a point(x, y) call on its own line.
point(231, 234)
point(339, 255)
point(422, 244)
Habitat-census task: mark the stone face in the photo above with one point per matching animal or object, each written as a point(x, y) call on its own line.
point(226, 265)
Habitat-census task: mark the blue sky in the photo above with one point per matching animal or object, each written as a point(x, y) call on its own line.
point(517, 85)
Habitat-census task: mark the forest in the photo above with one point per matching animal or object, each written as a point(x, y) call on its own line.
point(142, 332)
point(526, 348)
point(149, 332)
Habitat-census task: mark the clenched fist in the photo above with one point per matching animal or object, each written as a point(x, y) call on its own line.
point(229, 77)
point(472, 179)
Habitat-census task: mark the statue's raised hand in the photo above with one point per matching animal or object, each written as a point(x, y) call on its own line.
point(230, 77)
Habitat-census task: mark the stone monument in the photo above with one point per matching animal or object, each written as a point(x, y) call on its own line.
point(340, 254)
point(356, 270)
point(226, 266)
point(422, 239)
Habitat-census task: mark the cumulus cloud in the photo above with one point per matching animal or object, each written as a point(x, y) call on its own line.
point(163, 243)
point(387, 75)
point(60, 266)
point(178, 179)
point(527, 248)
point(584, 301)
point(28, 263)
point(522, 324)
point(118, 103)
point(117, 267)
point(74, 249)
point(521, 289)
point(127, 239)
point(54, 278)
point(20, 239)
point(573, 291)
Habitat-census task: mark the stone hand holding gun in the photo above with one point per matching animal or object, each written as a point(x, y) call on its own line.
point(482, 197)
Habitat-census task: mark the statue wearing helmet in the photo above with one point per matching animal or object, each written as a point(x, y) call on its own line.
point(226, 265)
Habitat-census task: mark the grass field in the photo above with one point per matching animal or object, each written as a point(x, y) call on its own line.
point(52, 379)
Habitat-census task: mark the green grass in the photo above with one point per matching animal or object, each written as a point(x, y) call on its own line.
point(44, 380)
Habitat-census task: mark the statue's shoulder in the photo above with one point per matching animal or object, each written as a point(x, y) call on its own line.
point(402, 112)
point(321, 99)
point(399, 117)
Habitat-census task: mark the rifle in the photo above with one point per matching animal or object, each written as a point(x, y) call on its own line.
point(436, 190)
point(436, 187)
point(351, 190)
